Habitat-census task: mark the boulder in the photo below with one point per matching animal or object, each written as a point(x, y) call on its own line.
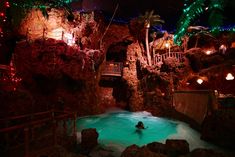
point(130, 151)
point(219, 127)
point(177, 147)
point(135, 151)
point(205, 153)
point(145, 152)
point(89, 139)
point(157, 147)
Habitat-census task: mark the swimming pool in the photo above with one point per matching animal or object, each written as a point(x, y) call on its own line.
point(117, 129)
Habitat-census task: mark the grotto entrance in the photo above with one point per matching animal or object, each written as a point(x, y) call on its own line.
point(114, 89)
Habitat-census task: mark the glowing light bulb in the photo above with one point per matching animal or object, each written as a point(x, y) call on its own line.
point(229, 77)
point(199, 81)
point(208, 52)
point(167, 45)
point(7, 4)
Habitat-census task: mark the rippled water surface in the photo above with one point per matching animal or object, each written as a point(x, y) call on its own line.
point(118, 129)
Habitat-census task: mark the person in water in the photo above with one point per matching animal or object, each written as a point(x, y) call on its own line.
point(140, 125)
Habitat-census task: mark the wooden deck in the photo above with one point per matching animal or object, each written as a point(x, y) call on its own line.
point(161, 57)
point(112, 69)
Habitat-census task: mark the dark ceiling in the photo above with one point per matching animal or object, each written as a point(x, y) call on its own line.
point(169, 10)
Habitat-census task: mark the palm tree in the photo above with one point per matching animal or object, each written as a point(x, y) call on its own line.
point(149, 19)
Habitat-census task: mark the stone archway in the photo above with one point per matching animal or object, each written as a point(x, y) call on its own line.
point(117, 52)
point(114, 91)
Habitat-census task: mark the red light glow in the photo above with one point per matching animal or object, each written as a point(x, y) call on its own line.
point(7, 4)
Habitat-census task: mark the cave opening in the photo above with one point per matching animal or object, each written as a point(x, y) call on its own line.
point(117, 52)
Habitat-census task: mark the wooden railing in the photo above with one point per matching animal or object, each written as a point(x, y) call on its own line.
point(27, 124)
point(160, 58)
point(112, 69)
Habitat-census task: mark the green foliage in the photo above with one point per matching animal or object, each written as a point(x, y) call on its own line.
point(20, 8)
point(150, 18)
point(216, 9)
point(189, 14)
point(44, 12)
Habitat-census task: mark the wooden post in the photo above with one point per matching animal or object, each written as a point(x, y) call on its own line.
point(7, 135)
point(154, 57)
point(26, 142)
point(62, 36)
point(54, 127)
point(64, 128)
point(32, 132)
point(74, 125)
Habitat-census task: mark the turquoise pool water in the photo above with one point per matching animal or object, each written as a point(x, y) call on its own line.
point(117, 129)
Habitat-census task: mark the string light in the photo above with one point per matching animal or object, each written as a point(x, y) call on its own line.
point(7, 4)
point(9, 77)
point(2, 14)
point(208, 52)
point(41, 4)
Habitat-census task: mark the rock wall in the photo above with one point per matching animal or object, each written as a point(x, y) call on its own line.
point(219, 128)
point(59, 62)
point(60, 75)
point(84, 29)
point(130, 74)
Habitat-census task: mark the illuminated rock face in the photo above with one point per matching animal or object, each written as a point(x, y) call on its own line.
point(84, 28)
point(54, 58)
point(59, 62)
point(54, 70)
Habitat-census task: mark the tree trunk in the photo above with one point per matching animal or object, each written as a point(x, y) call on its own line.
point(196, 42)
point(147, 44)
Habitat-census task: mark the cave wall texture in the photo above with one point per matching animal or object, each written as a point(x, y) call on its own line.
point(55, 75)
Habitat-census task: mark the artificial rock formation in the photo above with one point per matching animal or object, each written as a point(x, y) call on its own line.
point(59, 60)
point(135, 151)
point(172, 148)
point(219, 127)
point(89, 139)
point(130, 74)
point(53, 70)
point(84, 28)
point(177, 147)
